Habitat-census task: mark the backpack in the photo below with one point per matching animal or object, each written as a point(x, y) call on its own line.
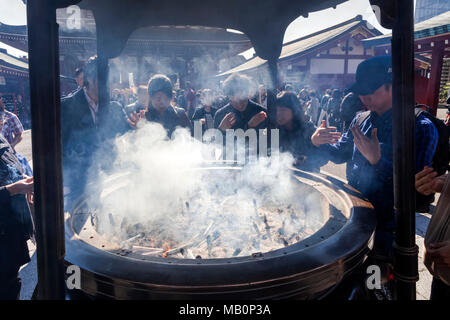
point(441, 156)
point(440, 159)
point(350, 105)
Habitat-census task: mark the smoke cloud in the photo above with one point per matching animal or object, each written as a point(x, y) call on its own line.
point(155, 194)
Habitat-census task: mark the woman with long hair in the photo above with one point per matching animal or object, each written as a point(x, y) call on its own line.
point(296, 131)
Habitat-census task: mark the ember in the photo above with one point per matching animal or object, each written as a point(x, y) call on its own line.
point(164, 255)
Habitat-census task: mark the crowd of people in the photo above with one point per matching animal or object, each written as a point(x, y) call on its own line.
point(351, 126)
point(337, 107)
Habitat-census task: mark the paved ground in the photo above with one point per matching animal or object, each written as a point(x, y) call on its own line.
point(28, 272)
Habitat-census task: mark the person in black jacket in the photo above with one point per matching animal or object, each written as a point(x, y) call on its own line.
point(160, 109)
point(333, 108)
point(15, 221)
point(241, 112)
point(296, 131)
point(205, 113)
point(85, 128)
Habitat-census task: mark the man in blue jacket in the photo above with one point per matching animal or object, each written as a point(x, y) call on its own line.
point(367, 147)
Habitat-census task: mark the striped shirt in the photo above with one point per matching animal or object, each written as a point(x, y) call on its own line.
point(10, 125)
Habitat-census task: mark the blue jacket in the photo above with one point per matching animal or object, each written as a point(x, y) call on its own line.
point(376, 182)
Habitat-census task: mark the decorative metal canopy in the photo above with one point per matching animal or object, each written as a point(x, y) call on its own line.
point(264, 22)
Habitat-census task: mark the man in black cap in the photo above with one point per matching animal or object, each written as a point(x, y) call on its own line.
point(367, 147)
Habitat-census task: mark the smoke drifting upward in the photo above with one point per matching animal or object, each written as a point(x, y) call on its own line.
point(157, 194)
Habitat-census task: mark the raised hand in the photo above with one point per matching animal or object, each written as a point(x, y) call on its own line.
point(257, 119)
point(324, 135)
point(24, 186)
point(228, 121)
point(369, 147)
point(135, 117)
point(427, 181)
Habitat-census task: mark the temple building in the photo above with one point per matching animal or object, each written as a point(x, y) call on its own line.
point(321, 60)
point(14, 82)
point(186, 53)
point(427, 9)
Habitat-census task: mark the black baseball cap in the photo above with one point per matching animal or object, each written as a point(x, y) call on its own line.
point(371, 74)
